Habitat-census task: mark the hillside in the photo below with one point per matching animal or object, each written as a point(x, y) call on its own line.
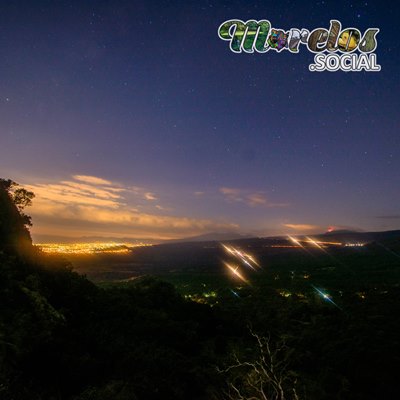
point(317, 324)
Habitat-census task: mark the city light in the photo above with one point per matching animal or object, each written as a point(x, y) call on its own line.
point(88, 248)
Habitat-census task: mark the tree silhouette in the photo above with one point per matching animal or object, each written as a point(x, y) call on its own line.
point(14, 233)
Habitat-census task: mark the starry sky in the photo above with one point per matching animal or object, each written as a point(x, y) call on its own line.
point(133, 119)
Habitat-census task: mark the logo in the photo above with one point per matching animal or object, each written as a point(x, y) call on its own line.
point(334, 48)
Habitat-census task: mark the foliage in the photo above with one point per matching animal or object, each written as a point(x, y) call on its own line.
point(14, 235)
point(63, 337)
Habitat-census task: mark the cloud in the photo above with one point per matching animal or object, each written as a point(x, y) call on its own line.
point(388, 217)
point(252, 199)
point(91, 179)
point(150, 196)
point(256, 199)
point(77, 205)
point(69, 192)
point(301, 227)
point(231, 194)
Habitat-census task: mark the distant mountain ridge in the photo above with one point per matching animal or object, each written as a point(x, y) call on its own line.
point(210, 237)
point(352, 236)
point(341, 236)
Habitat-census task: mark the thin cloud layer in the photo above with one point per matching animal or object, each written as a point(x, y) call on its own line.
point(251, 199)
point(301, 227)
point(150, 196)
point(91, 179)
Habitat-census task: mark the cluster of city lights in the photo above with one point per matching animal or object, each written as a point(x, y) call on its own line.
point(88, 248)
point(319, 244)
point(203, 298)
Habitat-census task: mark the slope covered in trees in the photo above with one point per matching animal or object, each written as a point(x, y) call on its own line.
point(64, 338)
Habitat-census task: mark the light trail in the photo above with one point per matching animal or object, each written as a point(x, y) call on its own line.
point(235, 271)
point(316, 243)
point(388, 250)
point(245, 258)
point(253, 260)
point(228, 249)
point(320, 242)
point(295, 241)
point(298, 244)
point(313, 242)
point(247, 263)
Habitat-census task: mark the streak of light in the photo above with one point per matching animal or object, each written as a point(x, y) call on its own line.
point(251, 258)
point(325, 296)
point(329, 243)
point(245, 258)
point(316, 244)
point(235, 293)
point(295, 241)
point(388, 250)
point(228, 249)
point(298, 244)
point(247, 263)
point(235, 271)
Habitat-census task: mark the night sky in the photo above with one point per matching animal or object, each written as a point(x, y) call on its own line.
point(133, 119)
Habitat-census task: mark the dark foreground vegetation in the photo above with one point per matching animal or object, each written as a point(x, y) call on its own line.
point(63, 337)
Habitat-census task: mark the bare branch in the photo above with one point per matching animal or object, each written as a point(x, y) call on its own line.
point(264, 377)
